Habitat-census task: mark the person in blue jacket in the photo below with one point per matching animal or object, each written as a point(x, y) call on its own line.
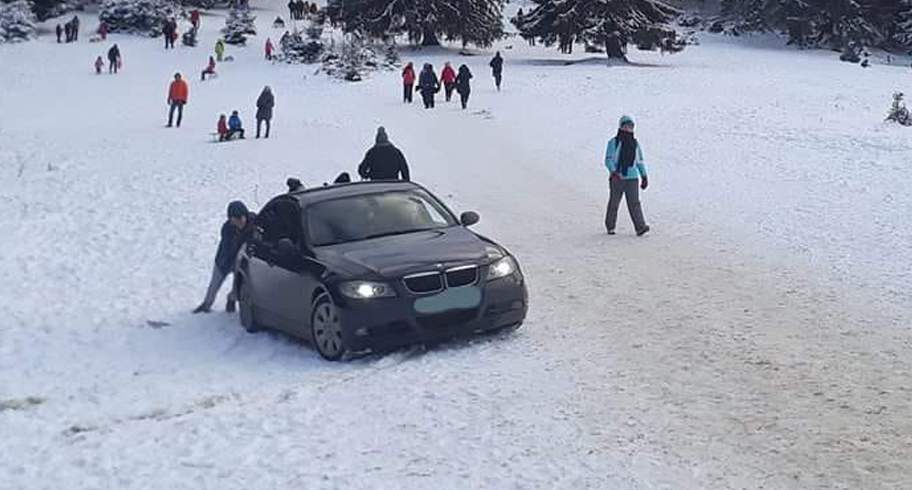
point(235, 233)
point(235, 126)
point(624, 160)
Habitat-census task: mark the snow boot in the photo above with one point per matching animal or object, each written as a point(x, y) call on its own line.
point(229, 306)
point(202, 309)
point(643, 231)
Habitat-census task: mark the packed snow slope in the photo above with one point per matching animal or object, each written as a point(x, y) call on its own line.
point(757, 338)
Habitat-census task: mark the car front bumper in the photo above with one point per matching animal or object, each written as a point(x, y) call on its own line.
point(387, 323)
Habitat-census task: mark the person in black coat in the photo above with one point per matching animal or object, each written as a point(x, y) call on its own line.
point(429, 85)
point(113, 59)
point(59, 30)
point(235, 233)
point(265, 103)
point(383, 161)
point(462, 84)
point(496, 65)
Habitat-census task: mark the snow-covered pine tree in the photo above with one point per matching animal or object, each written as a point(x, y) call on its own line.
point(17, 22)
point(898, 111)
point(477, 22)
point(138, 16)
point(607, 23)
point(239, 24)
point(295, 48)
point(901, 25)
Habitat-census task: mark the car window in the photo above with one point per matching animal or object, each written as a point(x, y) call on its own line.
point(374, 215)
point(280, 219)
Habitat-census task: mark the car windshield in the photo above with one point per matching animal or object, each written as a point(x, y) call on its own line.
point(377, 215)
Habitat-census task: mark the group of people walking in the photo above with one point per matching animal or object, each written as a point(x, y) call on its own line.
point(298, 9)
point(115, 62)
point(429, 84)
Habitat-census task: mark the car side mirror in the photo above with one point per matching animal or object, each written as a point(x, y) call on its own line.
point(469, 218)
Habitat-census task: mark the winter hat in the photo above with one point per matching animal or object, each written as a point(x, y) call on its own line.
point(625, 120)
point(382, 138)
point(236, 209)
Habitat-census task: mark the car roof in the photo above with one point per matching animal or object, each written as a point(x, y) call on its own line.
point(335, 191)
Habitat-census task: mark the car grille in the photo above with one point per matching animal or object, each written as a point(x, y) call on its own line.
point(424, 283)
point(448, 319)
point(462, 276)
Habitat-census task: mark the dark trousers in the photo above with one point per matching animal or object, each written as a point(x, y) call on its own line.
point(407, 90)
point(75, 34)
point(464, 98)
point(206, 72)
point(169, 40)
point(112, 66)
point(629, 188)
point(428, 97)
point(497, 79)
point(448, 90)
point(232, 132)
point(267, 127)
point(179, 106)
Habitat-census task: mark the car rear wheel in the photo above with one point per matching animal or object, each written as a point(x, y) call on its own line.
point(245, 300)
point(326, 329)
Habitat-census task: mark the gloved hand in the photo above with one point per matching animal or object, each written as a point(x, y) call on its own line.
point(644, 183)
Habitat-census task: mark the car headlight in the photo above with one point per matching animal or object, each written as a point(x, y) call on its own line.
point(502, 268)
point(366, 290)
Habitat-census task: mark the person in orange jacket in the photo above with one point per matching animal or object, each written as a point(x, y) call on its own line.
point(448, 78)
point(408, 82)
point(269, 49)
point(210, 69)
point(178, 94)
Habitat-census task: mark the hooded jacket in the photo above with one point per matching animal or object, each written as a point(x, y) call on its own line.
point(383, 161)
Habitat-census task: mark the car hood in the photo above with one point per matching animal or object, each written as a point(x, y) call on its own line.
point(395, 256)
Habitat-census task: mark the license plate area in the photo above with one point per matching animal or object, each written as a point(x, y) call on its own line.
point(465, 298)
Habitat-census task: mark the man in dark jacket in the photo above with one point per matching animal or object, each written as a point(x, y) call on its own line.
point(235, 233)
point(383, 161)
point(496, 65)
point(265, 103)
point(428, 85)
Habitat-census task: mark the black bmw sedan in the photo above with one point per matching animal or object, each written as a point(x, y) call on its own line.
point(372, 266)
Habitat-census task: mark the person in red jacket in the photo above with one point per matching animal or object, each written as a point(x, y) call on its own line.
point(448, 78)
point(210, 69)
point(178, 94)
point(408, 82)
point(222, 128)
point(103, 30)
point(195, 18)
point(269, 49)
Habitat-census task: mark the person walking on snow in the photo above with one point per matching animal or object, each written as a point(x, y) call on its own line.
point(383, 161)
point(496, 65)
point(448, 78)
point(59, 30)
point(195, 18)
point(408, 83)
point(428, 85)
point(235, 233)
point(209, 70)
point(291, 9)
point(219, 50)
point(463, 86)
point(113, 59)
point(235, 126)
point(269, 49)
point(178, 94)
point(265, 102)
point(103, 30)
point(168, 31)
point(624, 160)
point(75, 28)
point(99, 64)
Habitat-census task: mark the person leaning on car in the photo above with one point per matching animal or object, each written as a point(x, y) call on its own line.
point(383, 161)
point(235, 232)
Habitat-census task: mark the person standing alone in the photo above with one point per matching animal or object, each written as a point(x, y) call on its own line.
point(265, 102)
point(624, 161)
point(496, 65)
point(178, 93)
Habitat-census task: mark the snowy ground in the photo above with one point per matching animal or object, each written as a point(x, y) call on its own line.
point(757, 338)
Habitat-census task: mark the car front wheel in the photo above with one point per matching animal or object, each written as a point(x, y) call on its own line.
point(245, 300)
point(326, 329)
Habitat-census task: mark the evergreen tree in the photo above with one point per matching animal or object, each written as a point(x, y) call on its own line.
point(17, 22)
point(477, 22)
point(607, 23)
point(901, 25)
point(138, 16)
point(239, 24)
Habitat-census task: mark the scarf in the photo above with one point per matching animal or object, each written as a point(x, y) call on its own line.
point(628, 151)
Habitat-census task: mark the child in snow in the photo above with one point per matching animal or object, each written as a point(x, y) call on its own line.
point(448, 78)
point(269, 49)
point(99, 64)
point(210, 69)
point(235, 233)
point(103, 30)
point(219, 50)
point(624, 160)
point(235, 126)
point(222, 128)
